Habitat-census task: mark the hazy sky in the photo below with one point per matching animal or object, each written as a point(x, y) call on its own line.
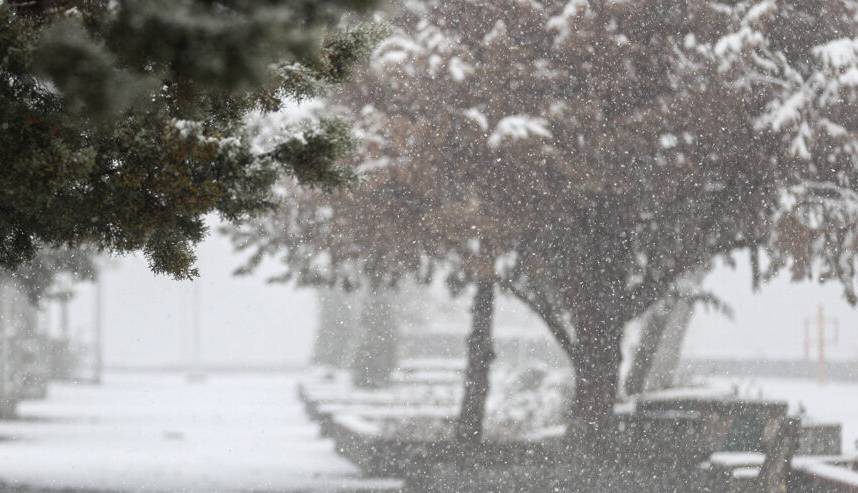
point(244, 320)
point(769, 323)
point(247, 321)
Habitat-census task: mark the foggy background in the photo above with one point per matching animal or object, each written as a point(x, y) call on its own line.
point(148, 318)
point(245, 321)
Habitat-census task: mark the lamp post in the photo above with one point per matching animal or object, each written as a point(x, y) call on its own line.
point(195, 373)
point(98, 330)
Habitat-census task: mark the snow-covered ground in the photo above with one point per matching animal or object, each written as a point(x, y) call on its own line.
point(157, 432)
point(236, 433)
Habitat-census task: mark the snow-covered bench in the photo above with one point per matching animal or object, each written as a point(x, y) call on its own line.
point(826, 476)
point(363, 441)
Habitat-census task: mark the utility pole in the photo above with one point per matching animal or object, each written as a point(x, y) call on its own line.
point(823, 339)
point(820, 336)
point(64, 367)
point(6, 402)
point(195, 374)
point(98, 336)
point(64, 316)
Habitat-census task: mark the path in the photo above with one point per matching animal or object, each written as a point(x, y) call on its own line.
point(159, 433)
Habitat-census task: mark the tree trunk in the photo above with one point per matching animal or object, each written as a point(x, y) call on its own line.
point(655, 360)
point(469, 427)
point(375, 357)
point(597, 368)
point(780, 442)
point(337, 329)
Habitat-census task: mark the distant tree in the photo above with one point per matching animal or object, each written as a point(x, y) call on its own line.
point(36, 277)
point(430, 176)
point(121, 122)
point(26, 353)
point(367, 324)
point(376, 345)
point(337, 328)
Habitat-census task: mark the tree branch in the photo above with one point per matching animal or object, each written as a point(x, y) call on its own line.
point(542, 307)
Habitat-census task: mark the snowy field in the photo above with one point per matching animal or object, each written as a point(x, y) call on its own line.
point(236, 433)
point(157, 432)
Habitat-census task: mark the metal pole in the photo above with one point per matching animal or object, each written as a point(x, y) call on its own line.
point(196, 326)
point(5, 383)
point(98, 336)
point(821, 343)
point(196, 372)
point(64, 317)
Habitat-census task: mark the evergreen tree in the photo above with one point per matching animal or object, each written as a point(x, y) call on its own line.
point(122, 122)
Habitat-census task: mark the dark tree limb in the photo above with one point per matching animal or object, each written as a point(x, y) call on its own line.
point(480, 354)
point(539, 304)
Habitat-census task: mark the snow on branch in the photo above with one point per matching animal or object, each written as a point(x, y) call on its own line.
point(478, 117)
point(519, 127)
point(838, 54)
point(562, 24)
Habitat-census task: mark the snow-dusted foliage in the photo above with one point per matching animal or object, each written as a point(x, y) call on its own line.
point(608, 150)
point(809, 93)
point(267, 130)
point(803, 63)
point(519, 127)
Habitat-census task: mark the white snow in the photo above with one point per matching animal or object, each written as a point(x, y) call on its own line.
point(157, 432)
point(390, 411)
point(428, 377)
point(187, 128)
point(718, 390)
point(746, 472)
point(267, 130)
point(730, 47)
point(432, 38)
point(668, 141)
point(562, 24)
point(789, 112)
point(460, 69)
point(190, 129)
point(395, 50)
point(497, 31)
point(358, 424)
point(849, 77)
point(838, 54)
point(478, 117)
point(422, 364)
point(762, 9)
point(738, 459)
point(519, 127)
point(840, 475)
